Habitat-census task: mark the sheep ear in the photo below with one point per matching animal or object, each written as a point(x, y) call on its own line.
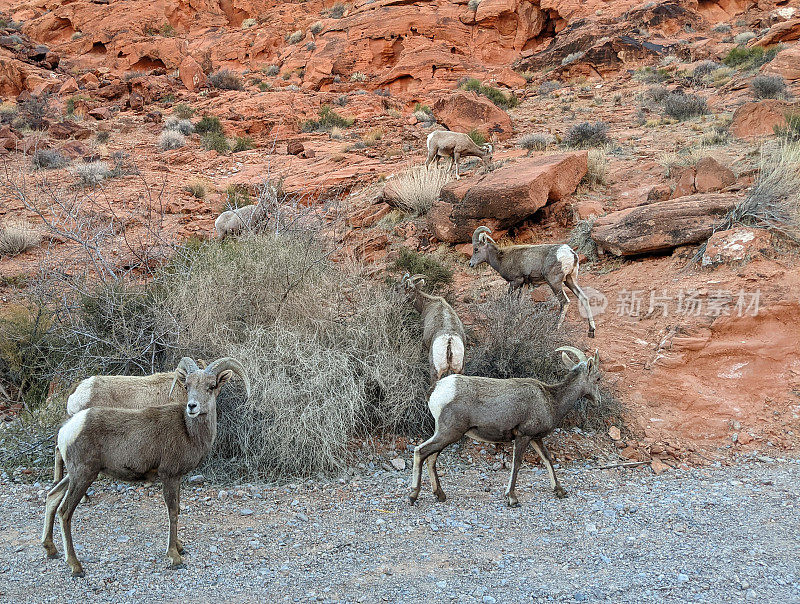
point(223, 377)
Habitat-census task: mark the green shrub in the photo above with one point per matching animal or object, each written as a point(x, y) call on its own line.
point(208, 123)
point(243, 143)
point(215, 141)
point(183, 111)
point(225, 79)
point(498, 97)
point(196, 188)
point(476, 136)
point(328, 119)
point(236, 196)
point(750, 58)
point(535, 142)
point(650, 75)
point(790, 132)
point(587, 134)
point(438, 274)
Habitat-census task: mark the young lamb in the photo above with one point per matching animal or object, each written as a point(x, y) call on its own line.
point(167, 441)
point(443, 332)
point(518, 410)
point(555, 264)
point(444, 143)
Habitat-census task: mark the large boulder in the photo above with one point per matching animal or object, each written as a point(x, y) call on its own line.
point(787, 65)
point(761, 117)
point(464, 111)
point(661, 226)
point(736, 245)
point(191, 74)
point(506, 196)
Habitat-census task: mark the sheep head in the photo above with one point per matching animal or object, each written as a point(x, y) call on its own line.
point(203, 385)
point(481, 244)
point(589, 369)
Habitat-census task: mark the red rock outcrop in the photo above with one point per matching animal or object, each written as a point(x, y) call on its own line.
point(464, 111)
point(736, 245)
point(661, 226)
point(760, 118)
point(506, 196)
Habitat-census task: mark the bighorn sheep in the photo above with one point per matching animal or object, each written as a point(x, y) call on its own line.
point(444, 143)
point(167, 441)
point(127, 391)
point(518, 410)
point(555, 264)
point(442, 330)
point(239, 220)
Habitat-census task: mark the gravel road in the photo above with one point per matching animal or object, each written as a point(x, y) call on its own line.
point(720, 534)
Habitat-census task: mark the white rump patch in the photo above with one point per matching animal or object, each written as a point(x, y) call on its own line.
point(457, 350)
point(439, 353)
point(444, 392)
point(565, 257)
point(79, 399)
point(70, 431)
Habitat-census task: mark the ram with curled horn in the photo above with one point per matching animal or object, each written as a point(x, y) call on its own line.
point(442, 330)
point(165, 442)
point(518, 410)
point(555, 264)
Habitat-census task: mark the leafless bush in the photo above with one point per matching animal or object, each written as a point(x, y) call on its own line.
point(93, 173)
point(184, 126)
point(330, 354)
point(17, 237)
point(768, 87)
point(171, 139)
point(535, 142)
point(48, 159)
point(418, 188)
point(225, 79)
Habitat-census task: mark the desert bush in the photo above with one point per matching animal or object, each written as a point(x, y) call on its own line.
point(236, 196)
point(17, 237)
point(24, 355)
point(357, 76)
point(721, 28)
point(768, 87)
point(92, 173)
point(744, 37)
point(437, 272)
point(418, 188)
point(597, 164)
point(587, 134)
point(581, 241)
point(372, 136)
point(215, 141)
point(502, 99)
point(337, 10)
point(656, 94)
point(225, 79)
point(652, 75)
point(683, 106)
point(184, 126)
point(272, 70)
point(719, 134)
point(750, 58)
point(328, 119)
point(183, 111)
point(316, 27)
point(773, 202)
point(103, 137)
point(35, 111)
point(248, 23)
point(243, 143)
point(477, 137)
point(171, 139)
point(8, 112)
point(123, 165)
point(331, 354)
point(208, 123)
point(295, 37)
point(790, 132)
point(197, 188)
point(701, 72)
point(48, 159)
point(535, 142)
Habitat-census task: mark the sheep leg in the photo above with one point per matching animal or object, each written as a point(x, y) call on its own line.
point(172, 500)
point(515, 286)
point(520, 444)
point(572, 284)
point(76, 489)
point(561, 297)
point(432, 154)
point(538, 444)
point(54, 499)
point(434, 476)
point(434, 444)
point(455, 164)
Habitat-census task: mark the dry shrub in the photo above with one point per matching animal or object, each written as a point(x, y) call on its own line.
point(171, 139)
point(184, 126)
point(596, 166)
point(586, 135)
point(773, 202)
point(17, 237)
point(225, 79)
point(418, 188)
point(330, 354)
point(92, 173)
point(768, 87)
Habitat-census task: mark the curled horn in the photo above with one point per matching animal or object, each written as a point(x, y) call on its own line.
point(418, 277)
point(229, 363)
point(184, 368)
point(476, 235)
point(565, 358)
point(488, 148)
point(405, 278)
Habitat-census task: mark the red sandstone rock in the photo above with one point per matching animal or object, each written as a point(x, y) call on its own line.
point(191, 74)
point(761, 117)
point(464, 111)
point(710, 176)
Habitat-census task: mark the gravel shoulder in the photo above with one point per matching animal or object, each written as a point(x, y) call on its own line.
point(720, 534)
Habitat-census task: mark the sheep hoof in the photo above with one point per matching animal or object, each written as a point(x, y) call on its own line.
point(591, 333)
point(515, 504)
point(440, 496)
point(177, 566)
point(412, 500)
point(78, 574)
point(560, 493)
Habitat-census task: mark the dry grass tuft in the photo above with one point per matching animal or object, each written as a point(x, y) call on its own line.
point(419, 187)
point(18, 236)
